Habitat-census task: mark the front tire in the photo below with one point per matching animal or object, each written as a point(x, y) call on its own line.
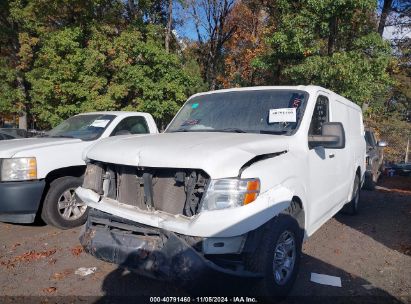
point(277, 257)
point(62, 208)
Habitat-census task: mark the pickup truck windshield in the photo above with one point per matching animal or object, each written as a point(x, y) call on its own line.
point(258, 111)
point(85, 127)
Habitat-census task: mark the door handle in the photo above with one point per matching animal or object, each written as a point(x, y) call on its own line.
point(332, 155)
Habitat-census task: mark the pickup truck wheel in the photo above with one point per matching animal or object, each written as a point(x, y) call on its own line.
point(277, 257)
point(352, 206)
point(62, 208)
point(369, 183)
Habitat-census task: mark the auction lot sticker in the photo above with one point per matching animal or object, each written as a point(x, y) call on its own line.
point(282, 115)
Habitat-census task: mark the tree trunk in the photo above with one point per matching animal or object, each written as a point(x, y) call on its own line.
point(23, 120)
point(169, 23)
point(23, 110)
point(386, 9)
point(212, 74)
point(333, 26)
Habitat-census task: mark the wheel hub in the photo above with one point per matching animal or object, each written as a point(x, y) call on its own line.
point(284, 257)
point(69, 206)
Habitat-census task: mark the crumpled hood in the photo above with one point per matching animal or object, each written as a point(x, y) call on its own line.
point(218, 154)
point(8, 148)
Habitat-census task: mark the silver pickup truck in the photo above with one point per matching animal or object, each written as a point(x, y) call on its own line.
point(375, 158)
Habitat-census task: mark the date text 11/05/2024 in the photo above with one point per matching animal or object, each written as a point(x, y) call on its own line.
point(203, 300)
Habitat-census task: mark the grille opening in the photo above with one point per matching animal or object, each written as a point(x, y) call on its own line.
point(175, 191)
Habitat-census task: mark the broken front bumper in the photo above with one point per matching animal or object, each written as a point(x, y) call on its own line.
point(148, 250)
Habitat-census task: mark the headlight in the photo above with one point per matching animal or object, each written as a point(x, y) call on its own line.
point(230, 192)
point(17, 169)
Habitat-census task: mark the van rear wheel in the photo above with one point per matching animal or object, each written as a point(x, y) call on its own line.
point(62, 208)
point(352, 207)
point(277, 257)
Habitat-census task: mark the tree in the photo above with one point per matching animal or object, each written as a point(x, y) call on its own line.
point(78, 56)
point(15, 94)
point(245, 44)
point(210, 17)
point(169, 25)
point(386, 9)
point(330, 43)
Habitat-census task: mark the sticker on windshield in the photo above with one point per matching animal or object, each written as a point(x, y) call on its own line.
point(190, 122)
point(282, 115)
point(296, 103)
point(100, 123)
point(194, 105)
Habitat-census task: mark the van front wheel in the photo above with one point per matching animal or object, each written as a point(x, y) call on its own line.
point(277, 257)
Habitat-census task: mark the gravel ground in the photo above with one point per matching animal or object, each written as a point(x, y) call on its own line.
point(370, 252)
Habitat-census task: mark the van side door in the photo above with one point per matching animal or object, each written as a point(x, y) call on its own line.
point(321, 164)
point(345, 158)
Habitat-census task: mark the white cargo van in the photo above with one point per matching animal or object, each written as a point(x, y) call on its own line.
point(233, 185)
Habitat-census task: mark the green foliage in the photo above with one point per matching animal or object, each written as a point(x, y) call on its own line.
point(360, 74)
point(330, 43)
point(396, 132)
point(78, 56)
point(10, 95)
point(103, 70)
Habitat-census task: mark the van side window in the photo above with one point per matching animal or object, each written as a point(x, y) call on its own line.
point(131, 125)
point(320, 115)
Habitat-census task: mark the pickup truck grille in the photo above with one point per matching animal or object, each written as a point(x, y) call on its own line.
point(175, 191)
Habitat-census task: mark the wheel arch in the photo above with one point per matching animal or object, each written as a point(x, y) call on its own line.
point(299, 215)
point(76, 171)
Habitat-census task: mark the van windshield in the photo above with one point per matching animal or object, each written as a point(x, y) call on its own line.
point(255, 111)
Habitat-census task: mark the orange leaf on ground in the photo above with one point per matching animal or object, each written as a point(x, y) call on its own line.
point(50, 289)
point(77, 250)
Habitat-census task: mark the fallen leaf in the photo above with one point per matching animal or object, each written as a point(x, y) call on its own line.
point(15, 245)
point(8, 264)
point(50, 289)
point(77, 250)
point(28, 257)
point(34, 255)
point(61, 275)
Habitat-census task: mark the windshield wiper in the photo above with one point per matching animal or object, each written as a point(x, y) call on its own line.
point(236, 130)
point(179, 130)
point(273, 132)
point(61, 136)
point(210, 130)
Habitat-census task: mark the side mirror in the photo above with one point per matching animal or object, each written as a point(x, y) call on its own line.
point(332, 136)
point(382, 143)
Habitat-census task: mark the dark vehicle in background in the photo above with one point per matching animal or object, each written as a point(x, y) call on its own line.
point(4, 136)
point(374, 159)
point(15, 132)
point(12, 133)
point(402, 169)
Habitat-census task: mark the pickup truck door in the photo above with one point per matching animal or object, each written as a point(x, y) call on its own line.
point(322, 167)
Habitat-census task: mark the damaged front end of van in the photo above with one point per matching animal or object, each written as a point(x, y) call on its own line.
point(175, 224)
